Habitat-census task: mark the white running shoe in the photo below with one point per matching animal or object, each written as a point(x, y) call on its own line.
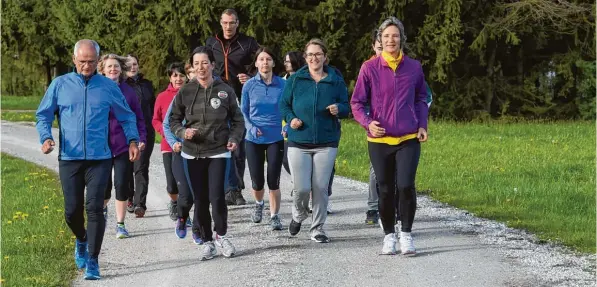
point(389, 244)
point(209, 251)
point(407, 247)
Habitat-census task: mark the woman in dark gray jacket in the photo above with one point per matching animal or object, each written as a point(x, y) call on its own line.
point(213, 129)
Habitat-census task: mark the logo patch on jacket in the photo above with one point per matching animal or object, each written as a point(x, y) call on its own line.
point(215, 103)
point(222, 94)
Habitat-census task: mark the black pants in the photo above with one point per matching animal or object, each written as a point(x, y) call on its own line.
point(287, 168)
point(141, 172)
point(236, 170)
point(256, 157)
point(396, 168)
point(206, 176)
point(171, 186)
point(122, 168)
point(75, 176)
point(185, 196)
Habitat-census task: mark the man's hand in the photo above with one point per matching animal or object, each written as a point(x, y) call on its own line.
point(259, 133)
point(134, 153)
point(177, 147)
point(422, 135)
point(141, 146)
point(333, 109)
point(243, 78)
point(231, 146)
point(48, 146)
point(376, 130)
point(296, 123)
point(189, 133)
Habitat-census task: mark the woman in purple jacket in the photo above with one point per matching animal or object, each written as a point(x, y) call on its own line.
point(111, 66)
point(393, 86)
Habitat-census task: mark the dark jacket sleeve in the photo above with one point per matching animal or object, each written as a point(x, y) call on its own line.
point(237, 122)
point(253, 47)
point(177, 116)
point(285, 104)
point(343, 106)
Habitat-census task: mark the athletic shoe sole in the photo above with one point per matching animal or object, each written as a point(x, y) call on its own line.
point(139, 212)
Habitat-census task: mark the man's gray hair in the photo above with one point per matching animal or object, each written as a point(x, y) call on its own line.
point(95, 45)
point(389, 22)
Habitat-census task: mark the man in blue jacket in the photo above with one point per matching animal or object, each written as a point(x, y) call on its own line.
point(82, 101)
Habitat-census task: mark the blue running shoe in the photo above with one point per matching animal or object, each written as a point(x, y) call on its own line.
point(181, 228)
point(189, 222)
point(81, 254)
point(121, 231)
point(197, 238)
point(92, 270)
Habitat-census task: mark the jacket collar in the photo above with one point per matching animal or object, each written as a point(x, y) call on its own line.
point(303, 72)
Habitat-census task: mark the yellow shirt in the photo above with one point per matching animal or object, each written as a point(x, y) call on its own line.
point(392, 62)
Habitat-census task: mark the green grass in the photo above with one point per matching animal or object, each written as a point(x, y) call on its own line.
point(534, 176)
point(20, 103)
point(12, 116)
point(37, 248)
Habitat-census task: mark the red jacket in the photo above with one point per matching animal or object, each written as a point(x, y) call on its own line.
point(161, 107)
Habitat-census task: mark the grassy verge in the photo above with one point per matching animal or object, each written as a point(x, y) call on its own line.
point(20, 103)
point(37, 247)
point(13, 116)
point(534, 176)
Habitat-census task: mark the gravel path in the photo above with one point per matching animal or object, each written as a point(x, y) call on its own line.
point(454, 248)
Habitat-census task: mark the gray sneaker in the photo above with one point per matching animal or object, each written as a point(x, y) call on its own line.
point(224, 243)
point(275, 223)
point(209, 251)
point(257, 213)
point(173, 210)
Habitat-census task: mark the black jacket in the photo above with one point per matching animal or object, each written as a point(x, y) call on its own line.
point(233, 57)
point(214, 112)
point(144, 90)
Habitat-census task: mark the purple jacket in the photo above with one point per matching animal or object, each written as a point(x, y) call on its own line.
point(118, 143)
point(398, 101)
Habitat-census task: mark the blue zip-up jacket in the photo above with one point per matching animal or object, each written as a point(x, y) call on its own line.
point(170, 137)
point(308, 101)
point(259, 105)
point(83, 107)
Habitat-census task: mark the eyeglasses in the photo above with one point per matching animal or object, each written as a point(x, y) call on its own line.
point(89, 63)
point(286, 62)
point(311, 55)
point(232, 23)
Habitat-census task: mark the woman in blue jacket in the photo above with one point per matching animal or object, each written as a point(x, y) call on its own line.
point(259, 105)
point(313, 100)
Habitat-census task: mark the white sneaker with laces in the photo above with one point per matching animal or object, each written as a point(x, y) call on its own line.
point(407, 246)
point(224, 243)
point(389, 244)
point(209, 251)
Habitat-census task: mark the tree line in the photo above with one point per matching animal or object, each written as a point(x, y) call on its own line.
point(482, 58)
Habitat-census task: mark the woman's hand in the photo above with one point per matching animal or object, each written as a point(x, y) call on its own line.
point(189, 133)
point(422, 135)
point(177, 147)
point(333, 109)
point(376, 130)
point(296, 123)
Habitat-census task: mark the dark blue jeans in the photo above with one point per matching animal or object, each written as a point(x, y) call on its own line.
point(75, 176)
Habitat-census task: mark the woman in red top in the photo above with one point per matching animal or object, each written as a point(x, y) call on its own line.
point(177, 79)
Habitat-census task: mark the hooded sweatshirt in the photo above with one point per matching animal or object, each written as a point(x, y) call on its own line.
point(161, 106)
point(213, 111)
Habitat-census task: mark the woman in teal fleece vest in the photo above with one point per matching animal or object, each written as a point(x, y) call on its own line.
point(313, 100)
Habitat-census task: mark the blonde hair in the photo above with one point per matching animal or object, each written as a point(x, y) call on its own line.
point(121, 60)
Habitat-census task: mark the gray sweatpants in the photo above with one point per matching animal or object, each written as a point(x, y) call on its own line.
point(311, 170)
point(373, 200)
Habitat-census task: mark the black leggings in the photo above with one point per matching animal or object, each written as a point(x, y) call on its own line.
point(257, 154)
point(206, 177)
point(396, 164)
point(123, 168)
point(287, 168)
point(170, 181)
point(185, 196)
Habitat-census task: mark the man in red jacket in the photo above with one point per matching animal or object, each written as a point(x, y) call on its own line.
point(234, 53)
